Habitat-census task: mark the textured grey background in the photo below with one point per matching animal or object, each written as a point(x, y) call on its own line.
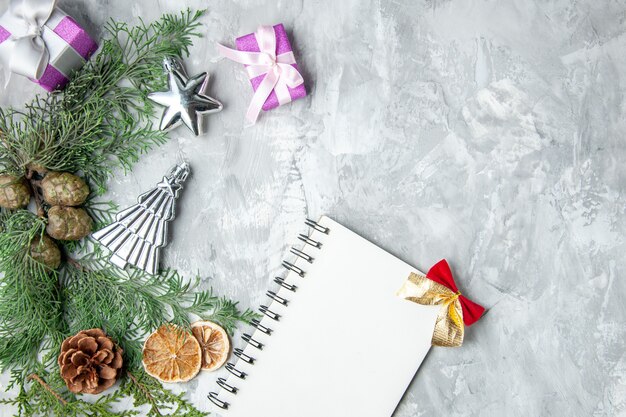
point(486, 132)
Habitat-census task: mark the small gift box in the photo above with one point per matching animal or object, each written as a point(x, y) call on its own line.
point(43, 43)
point(271, 67)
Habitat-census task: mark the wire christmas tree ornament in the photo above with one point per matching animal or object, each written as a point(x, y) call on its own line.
point(140, 231)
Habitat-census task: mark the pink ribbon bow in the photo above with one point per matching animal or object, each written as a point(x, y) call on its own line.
point(279, 73)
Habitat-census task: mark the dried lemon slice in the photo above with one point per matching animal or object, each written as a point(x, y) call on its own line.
point(214, 343)
point(171, 355)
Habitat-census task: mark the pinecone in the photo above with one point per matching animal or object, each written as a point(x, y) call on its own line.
point(44, 250)
point(90, 362)
point(64, 189)
point(68, 223)
point(14, 192)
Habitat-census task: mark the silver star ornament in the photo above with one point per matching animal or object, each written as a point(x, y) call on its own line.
point(187, 101)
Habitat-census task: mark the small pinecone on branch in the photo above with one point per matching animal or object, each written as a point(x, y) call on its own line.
point(44, 250)
point(90, 362)
point(14, 192)
point(68, 223)
point(64, 189)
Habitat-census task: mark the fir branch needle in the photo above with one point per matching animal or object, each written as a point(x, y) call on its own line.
point(47, 387)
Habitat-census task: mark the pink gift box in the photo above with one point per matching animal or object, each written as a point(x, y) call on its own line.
point(248, 43)
point(69, 47)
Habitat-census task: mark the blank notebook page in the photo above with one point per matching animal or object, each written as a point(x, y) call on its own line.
point(345, 345)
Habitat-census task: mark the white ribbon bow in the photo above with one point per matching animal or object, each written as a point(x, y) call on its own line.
point(280, 74)
point(29, 54)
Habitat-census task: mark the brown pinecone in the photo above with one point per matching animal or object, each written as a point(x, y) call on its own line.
point(14, 192)
point(68, 223)
point(44, 250)
point(64, 189)
point(90, 362)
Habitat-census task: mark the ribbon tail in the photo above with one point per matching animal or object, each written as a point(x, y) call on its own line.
point(266, 39)
point(471, 311)
point(441, 273)
point(260, 95)
point(290, 75)
point(243, 57)
point(289, 78)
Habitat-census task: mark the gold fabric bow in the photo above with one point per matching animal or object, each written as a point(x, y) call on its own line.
point(449, 327)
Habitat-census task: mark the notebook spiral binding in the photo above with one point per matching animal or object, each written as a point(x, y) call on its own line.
point(230, 367)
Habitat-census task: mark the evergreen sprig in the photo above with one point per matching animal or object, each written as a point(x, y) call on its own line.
point(45, 394)
point(147, 391)
point(97, 125)
point(101, 120)
point(30, 308)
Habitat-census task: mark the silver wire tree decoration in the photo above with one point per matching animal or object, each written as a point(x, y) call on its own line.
point(139, 232)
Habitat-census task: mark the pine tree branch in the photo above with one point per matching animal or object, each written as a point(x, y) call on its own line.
point(47, 387)
point(145, 391)
point(148, 391)
point(74, 263)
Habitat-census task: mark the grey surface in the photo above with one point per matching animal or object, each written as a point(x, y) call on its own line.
point(486, 132)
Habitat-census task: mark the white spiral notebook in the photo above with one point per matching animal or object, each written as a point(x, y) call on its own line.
point(335, 340)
